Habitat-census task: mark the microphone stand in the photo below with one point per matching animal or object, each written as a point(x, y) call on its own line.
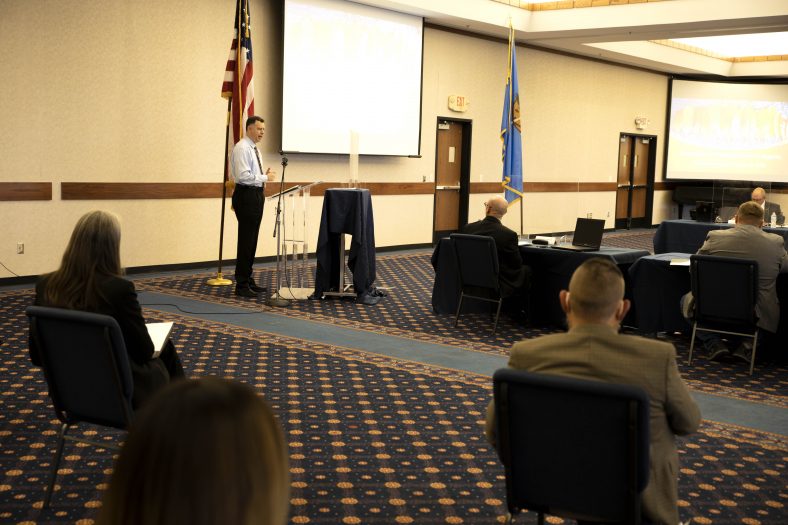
point(275, 299)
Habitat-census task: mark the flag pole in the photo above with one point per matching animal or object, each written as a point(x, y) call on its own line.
point(521, 215)
point(219, 280)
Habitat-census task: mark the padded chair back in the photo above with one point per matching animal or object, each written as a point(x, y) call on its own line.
point(571, 447)
point(86, 365)
point(725, 289)
point(477, 260)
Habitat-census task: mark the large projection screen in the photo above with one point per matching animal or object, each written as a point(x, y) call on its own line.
point(728, 131)
point(351, 69)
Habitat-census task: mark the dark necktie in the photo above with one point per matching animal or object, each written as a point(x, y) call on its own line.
point(257, 156)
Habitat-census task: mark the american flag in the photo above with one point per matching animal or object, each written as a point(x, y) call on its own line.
point(238, 84)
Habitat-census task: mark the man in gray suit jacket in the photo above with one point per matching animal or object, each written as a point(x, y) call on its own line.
point(748, 241)
point(593, 349)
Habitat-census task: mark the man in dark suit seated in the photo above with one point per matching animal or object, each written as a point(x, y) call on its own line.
point(513, 277)
point(759, 196)
point(594, 349)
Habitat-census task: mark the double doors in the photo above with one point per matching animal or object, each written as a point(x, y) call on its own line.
point(635, 181)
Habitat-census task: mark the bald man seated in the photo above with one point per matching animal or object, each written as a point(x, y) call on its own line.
point(593, 349)
point(513, 277)
point(759, 197)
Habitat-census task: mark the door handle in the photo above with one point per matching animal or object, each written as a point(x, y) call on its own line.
point(621, 186)
point(447, 188)
point(640, 185)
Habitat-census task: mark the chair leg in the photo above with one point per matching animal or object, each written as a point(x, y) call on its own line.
point(497, 315)
point(459, 307)
point(61, 441)
point(540, 518)
point(692, 341)
point(509, 518)
point(754, 348)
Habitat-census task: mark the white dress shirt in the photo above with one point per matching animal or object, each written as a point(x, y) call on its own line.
point(247, 164)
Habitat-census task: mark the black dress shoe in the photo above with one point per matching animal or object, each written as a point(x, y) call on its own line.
point(245, 291)
point(258, 289)
point(717, 350)
point(744, 351)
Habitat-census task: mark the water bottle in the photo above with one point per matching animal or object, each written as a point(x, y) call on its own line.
point(773, 220)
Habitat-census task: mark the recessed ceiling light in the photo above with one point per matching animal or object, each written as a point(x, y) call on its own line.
point(750, 45)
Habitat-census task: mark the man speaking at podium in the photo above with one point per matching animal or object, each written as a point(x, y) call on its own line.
point(248, 200)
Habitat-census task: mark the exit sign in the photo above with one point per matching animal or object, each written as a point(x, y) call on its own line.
point(458, 103)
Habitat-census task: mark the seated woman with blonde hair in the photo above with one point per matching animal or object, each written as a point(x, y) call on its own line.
point(90, 279)
point(203, 452)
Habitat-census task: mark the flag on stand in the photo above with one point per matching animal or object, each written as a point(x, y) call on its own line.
point(238, 82)
point(510, 131)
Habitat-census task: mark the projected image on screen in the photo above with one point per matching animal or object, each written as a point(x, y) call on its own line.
point(722, 131)
point(350, 68)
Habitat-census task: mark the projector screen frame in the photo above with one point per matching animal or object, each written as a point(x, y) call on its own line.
point(419, 131)
point(668, 107)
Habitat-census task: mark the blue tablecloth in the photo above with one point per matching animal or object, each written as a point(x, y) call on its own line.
point(684, 236)
point(657, 288)
point(346, 211)
point(552, 270)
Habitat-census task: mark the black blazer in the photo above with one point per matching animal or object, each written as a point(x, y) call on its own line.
point(120, 302)
point(512, 274)
point(772, 207)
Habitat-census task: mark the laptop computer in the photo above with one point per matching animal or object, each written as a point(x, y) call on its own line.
point(587, 236)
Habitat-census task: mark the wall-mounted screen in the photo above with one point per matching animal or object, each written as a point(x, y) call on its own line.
point(351, 69)
point(727, 131)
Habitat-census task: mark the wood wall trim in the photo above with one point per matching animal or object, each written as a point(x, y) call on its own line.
point(202, 190)
point(663, 185)
point(546, 187)
point(139, 190)
point(25, 191)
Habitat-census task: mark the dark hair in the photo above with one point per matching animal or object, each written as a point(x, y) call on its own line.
point(251, 120)
point(201, 452)
point(93, 252)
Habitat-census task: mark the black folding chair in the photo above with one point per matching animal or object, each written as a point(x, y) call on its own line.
point(477, 262)
point(87, 371)
point(725, 290)
point(570, 447)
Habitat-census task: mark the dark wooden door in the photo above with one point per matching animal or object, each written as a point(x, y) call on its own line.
point(635, 181)
point(452, 175)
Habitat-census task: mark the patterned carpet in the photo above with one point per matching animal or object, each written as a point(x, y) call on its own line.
point(372, 439)
point(407, 312)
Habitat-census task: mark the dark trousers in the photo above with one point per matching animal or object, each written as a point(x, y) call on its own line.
point(154, 374)
point(171, 360)
point(248, 205)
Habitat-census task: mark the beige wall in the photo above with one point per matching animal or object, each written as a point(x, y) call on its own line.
point(128, 91)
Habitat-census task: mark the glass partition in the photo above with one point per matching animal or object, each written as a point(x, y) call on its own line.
point(728, 196)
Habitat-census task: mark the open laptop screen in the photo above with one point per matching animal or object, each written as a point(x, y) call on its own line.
point(588, 232)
